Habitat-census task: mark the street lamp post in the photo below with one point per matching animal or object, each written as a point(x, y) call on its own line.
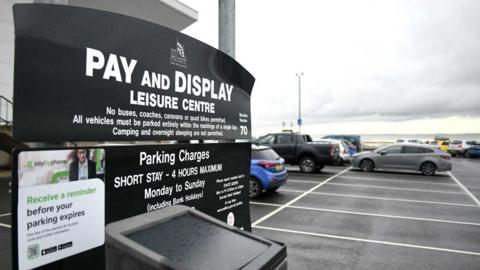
point(299, 121)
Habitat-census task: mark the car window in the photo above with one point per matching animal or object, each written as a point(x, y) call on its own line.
point(456, 142)
point(284, 138)
point(265, 154)
point(413, 150)
point(307, 138)
point(268, 139)
point(393, 149)
point(428, 150)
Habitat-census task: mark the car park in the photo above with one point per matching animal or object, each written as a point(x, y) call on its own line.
point(354, 139)
point(405, 156)
point(267, 170)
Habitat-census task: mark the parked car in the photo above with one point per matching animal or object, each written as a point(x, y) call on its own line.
point(473, 151)
point(442, 142)
point(354, 139)
point(344, 148)
point(267, 170)
point(458, 147)
point(299, 149)
point(427, 159)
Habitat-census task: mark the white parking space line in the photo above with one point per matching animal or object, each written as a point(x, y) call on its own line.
point(396, 188)
point(313, 175)
point(464, 188)
point(371, 214)
point(292, 190)
point(395, 180)
point(298, 198)
point(5, 225)
point(381, 198)
point(7, 214)
point(302, 181)
point(368, 240)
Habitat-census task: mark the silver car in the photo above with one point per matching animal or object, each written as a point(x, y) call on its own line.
point(427, 159)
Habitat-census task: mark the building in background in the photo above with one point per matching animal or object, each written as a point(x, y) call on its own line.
point(170, 13)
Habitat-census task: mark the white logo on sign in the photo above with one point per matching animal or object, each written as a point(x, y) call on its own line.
point(177, 55)
point(180, 49)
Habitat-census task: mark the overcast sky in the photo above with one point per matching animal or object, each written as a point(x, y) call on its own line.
point(369, 66)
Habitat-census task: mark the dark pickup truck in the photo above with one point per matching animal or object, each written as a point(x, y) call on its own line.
point(301, 150)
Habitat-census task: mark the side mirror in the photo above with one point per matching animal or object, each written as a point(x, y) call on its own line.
point(383, 153)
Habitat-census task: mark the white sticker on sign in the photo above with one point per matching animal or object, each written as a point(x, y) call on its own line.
point(59, 220)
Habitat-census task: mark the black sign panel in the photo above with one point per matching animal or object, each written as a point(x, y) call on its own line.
point(147, 178)
point(88, 75)
point(61, 208)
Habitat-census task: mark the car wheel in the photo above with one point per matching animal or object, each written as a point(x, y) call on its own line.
point(319, 168)
point(307, 165)
point(428, 169)
point(366, 165)
point(255, 188)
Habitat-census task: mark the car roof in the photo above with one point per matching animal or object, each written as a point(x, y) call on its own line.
point(414, 144)
point(341, 135)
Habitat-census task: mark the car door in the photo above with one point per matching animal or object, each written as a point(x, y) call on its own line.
point(285, 146)
point(412, 157)
point(390, 157)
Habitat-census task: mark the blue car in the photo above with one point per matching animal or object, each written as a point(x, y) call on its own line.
point(473, 152)
point(267, 170)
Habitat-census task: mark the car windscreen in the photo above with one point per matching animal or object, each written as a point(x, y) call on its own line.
point(265, 154)
point(267, 139)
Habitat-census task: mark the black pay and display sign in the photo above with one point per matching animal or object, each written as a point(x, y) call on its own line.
point(64, 198)
point(90, 75)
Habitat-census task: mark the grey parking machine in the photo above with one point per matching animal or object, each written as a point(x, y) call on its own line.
point(180, 237)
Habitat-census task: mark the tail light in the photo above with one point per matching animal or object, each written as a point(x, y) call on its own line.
point(266, 164)
point(445, 156)
point(333, 150)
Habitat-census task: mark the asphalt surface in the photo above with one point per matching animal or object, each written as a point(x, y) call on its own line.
point(347, 219)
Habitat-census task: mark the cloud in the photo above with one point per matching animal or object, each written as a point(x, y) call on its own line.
point(378, 60)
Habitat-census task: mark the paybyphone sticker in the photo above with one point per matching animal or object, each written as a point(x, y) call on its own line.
point(61, 204)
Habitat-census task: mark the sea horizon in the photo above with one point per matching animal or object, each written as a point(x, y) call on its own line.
point(419, 136)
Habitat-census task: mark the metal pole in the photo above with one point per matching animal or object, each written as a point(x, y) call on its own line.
point(299, 121)
point(226, 27)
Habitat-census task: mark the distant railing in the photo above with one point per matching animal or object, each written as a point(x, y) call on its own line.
point(6, 111)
